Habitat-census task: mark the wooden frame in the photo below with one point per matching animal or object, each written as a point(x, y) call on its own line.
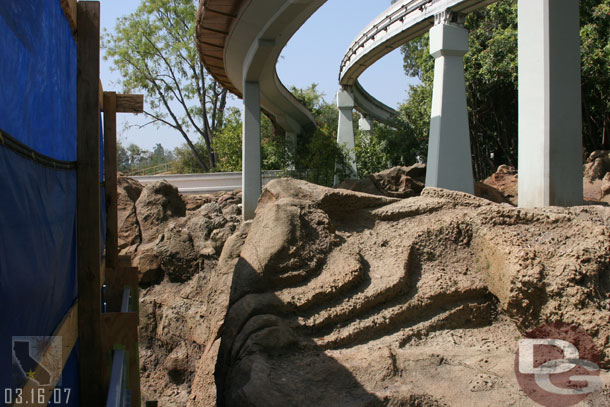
point(110, 179)
point(118, 329)
point(88, 204)
point(70, 10)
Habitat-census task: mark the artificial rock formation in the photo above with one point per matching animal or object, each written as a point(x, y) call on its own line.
point(597, 176)
point(331, 297)
point(175, 241)
point(344, 298)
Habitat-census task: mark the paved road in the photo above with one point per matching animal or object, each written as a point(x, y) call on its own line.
point(205, 183)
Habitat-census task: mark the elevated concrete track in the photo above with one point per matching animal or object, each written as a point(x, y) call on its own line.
point(239, 42)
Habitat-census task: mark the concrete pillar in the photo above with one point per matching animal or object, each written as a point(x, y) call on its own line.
point(291, 147)
point(345, 132)
point(550, 122)
point(251, 150)
point(449, 161)
point(365, 124)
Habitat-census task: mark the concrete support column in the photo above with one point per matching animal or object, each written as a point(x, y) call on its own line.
point(251, 150)
point(345, 132)
point(365, 124)
point(550, 122)
point(449, 161)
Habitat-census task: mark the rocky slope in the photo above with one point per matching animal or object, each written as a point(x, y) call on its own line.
point(342, 298)
point(339, 298)
point(175, 240)
point(596, 179)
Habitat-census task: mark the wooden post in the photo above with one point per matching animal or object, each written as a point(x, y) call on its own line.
point(88, 204)
point(110, 177)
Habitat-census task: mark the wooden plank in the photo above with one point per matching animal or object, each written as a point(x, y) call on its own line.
point(110, 180)
point(116, 281)
point(130, 103)
point(124, 260)
point(88, 204)
point(67, 333)
point(69, 8)
point(121, 329)
point(101, 95)
point(102, 272)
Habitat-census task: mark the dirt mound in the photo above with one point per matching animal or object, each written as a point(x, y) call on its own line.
point(505, 180)
point(406, 182)
point(500, 187)
point(376, 302)
point(396, 182)
point(597, 176)
point(596, 179)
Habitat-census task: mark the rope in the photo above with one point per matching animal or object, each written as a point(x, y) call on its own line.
point(27, 152)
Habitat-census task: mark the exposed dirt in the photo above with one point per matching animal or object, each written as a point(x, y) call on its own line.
point(338, 298)
point(176, 241)
point(397, 298)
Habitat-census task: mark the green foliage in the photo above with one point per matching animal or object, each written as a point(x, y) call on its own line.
point(595, 50)
point(186, 163)
point(415, 114)
point(491, 82)
point(154, 51)
point(371, 153)
point(227, 143)
point(123, 159)
point(273, 146)
point(319, 158)
point(326, 114)
point(134, 158)
point(386, 146)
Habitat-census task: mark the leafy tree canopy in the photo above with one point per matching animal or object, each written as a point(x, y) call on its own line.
point(491, 82)
point(154, 51)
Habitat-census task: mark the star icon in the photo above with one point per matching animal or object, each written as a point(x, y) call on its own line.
point(31, 374)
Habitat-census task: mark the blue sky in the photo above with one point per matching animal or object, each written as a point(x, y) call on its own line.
point(313, 55)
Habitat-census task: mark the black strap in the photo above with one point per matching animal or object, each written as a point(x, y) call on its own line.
point(25, 151)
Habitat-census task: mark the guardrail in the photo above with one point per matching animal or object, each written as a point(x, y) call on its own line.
point(157, 169)
point(206, 183)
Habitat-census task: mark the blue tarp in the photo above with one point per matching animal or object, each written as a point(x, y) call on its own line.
point(38, 77)
point(37, 250)
point(38, 279)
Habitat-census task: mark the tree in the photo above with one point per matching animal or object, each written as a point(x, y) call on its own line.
point(595, 49)
point(491, 82)
point(326, 114)
point(154, 51)
point(228, 143)
point(123, 164)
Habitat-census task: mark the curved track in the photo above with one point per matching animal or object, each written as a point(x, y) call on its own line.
point(241, 40)
point(400, 23)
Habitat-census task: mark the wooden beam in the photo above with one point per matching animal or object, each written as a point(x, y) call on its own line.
point(69, 8)
point(120, 329)
point(101, 95)
point(116, 281)
point(130, 103)
point(66, 333)
point(110, 180)
point(88, 204)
